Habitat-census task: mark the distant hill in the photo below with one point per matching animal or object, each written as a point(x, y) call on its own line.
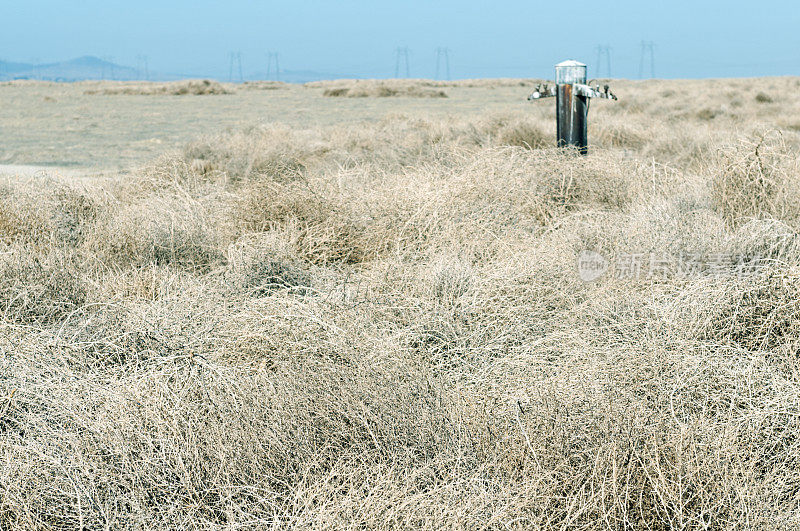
point(93, 68)
point(82, 68)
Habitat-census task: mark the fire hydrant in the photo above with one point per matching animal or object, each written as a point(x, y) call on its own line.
point(572, 95)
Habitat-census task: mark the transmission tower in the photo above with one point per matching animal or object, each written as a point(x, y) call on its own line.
point(648, 48)
point(235, 60)
point(401, 56)
point(603, 51)
point(108, 60)
point(142, 71)
point(443, 54)
point(36, 72)
point(273, 67)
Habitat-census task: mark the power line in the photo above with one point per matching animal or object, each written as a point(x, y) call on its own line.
point(647, 46)
point(443, 53)
point(401, 55)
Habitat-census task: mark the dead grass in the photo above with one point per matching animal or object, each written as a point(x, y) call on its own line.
point(192, 87)
point(756, 180)
point(411, 88)
point(264, 85)
point(380, 325)
point(401, 84)
point(382, 90)
point(761, 97)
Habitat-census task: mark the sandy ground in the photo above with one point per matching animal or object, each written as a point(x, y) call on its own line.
point(21, 170)
point(30, 171)
point(58, 124)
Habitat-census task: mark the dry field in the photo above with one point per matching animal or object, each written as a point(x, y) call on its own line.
point(276, 308)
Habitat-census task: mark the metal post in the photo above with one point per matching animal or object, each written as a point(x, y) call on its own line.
point(571, 107)
point(572, 102)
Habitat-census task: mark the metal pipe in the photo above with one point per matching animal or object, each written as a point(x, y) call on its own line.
point(572, 95)
point(572, 106)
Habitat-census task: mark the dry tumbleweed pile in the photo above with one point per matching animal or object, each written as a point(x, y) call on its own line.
point(381, 326)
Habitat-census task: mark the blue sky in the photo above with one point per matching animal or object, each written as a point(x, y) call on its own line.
point(358, 38)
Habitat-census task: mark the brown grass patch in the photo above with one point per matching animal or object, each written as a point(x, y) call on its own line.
point(756, 180)
point(193, 87)
point(381, 325)
point(381, 90)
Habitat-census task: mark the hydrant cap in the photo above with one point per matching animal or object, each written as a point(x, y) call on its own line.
point(569, 72)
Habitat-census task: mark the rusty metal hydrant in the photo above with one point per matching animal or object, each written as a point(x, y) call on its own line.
point(572, 102)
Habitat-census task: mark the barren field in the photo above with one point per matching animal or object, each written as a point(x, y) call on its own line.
point(394, 305)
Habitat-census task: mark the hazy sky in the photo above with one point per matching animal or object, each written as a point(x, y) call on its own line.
point(358, 38)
